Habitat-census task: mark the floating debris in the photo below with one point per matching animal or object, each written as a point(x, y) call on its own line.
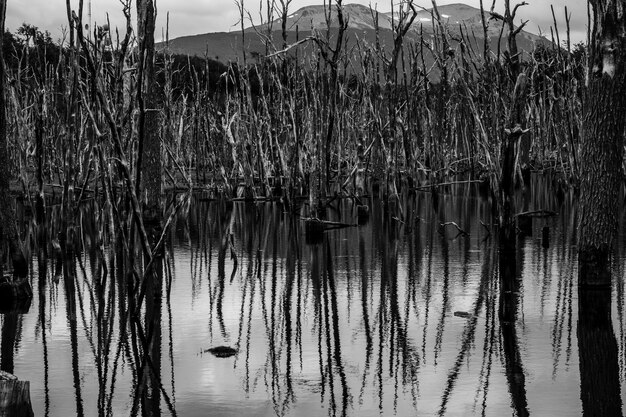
point(222, 351)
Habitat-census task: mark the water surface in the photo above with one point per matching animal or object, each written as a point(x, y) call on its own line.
point(401, 316)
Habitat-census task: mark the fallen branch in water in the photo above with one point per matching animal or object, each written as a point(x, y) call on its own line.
point(461, 231)
point(487, 226)
point(328, 223)
point(537, 213)
point(443, 184)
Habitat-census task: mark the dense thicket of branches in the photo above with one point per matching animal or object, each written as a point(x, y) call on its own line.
point(223, 126)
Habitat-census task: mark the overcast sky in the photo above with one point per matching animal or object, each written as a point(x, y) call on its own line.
point(190, 17)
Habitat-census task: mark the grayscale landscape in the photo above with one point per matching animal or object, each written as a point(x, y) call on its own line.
point(312, 208)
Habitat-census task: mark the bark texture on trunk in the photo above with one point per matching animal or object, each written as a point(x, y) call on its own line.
point(8, 228)
point(604, 112)
point(601, 155)
point(4, 142)
point(149, 166)
point(150, 184)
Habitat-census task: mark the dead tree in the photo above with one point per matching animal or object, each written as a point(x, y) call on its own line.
point(8, 228)
point(149, 185)
point(331, 56)
point(4, 141)
point(284, 15)
point(149, 157)
point(604, 116)
point(508, 155)
point(509, 21)
point(406, 16)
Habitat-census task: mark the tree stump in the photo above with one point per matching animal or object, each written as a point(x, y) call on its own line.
point(15, 399)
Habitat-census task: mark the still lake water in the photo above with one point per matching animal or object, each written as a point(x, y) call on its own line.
point(396, 317)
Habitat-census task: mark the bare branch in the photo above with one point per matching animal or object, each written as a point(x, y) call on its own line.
point(293, 45)
point(517, 6)
point(496, 16)
point(520, 28)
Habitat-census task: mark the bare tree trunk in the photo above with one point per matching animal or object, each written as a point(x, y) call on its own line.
point(149, 158)
point(509, 21)
point(284, 15)
point(4, 141)
point(604, 116)
point(8, 228)
point(604, 111)
point(513, 135)
point(149, 186)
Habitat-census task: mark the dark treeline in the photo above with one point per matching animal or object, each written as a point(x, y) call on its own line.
point(30, 53)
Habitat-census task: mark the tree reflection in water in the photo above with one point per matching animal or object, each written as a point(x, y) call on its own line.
point(599, 364)
point(399, 316)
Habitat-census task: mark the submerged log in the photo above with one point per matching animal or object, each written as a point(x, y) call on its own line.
point(314, 229)
point(442, 228)
point(15, 399)
point(537, 213)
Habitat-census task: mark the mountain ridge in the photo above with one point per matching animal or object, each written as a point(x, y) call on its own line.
point(229, 46)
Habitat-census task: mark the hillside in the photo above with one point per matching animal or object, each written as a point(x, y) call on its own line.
point(228, 46)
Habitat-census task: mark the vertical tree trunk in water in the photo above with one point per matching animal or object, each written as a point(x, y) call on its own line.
point(513, 134)
point(507, 245)
point(598, 353)
point(601, 172)
point(4, 141)
point(149, 162)
point(149, 186)
point(8, 228)
point(602, 142)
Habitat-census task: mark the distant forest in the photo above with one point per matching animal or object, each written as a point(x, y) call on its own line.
point(34, 52)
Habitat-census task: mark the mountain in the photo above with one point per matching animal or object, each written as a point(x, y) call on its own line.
point(314, 17)
point(229, 46)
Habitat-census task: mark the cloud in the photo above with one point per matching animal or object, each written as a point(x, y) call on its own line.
point(189, 17)
point(540, 17)
point(44, 15)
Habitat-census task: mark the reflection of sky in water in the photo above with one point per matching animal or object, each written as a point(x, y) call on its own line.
point(417, 342)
